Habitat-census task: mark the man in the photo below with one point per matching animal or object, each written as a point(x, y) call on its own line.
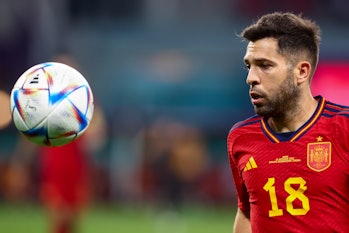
point(290, 162)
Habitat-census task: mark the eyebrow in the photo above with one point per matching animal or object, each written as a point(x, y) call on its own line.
point(258, 60)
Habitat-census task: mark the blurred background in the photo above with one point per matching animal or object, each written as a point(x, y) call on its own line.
point(168, 79)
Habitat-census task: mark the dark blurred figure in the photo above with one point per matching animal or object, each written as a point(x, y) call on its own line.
point(15, 41)
point(175, 159)
point(28, 35)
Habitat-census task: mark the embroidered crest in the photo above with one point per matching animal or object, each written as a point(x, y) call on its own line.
point(319, 155)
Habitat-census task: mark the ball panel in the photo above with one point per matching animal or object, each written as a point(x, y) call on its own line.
point(32, 105)
point(80, 98)
point(63, 119)
point(62, 140)
point(37, 135)
point(35, 80)
point(18, 120)
point(89, 112)
point(38, 139)
point(64, 78)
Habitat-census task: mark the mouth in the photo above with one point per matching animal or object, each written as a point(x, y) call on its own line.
point(256, 98)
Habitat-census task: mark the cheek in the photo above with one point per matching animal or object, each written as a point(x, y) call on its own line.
point(279, 77)
point(273, 83)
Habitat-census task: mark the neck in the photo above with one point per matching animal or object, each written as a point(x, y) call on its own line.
point(293, 119)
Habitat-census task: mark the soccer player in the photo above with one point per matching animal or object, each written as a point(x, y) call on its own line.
point(290, 162)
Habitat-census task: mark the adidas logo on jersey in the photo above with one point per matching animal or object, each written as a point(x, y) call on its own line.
point(251, 164)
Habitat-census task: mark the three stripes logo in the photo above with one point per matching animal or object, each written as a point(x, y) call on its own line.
point(35, 79)
point(251, 164)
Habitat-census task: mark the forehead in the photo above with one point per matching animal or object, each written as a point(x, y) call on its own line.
point(266, 48)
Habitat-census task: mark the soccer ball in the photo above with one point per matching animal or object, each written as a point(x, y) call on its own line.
point(51, 104)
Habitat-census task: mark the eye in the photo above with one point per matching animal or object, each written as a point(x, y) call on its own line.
point(265, 65)
point(247, 67)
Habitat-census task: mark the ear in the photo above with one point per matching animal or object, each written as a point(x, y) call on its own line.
point(303, 72)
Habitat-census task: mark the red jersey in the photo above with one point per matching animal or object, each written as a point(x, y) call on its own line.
point(296, 182)
point(65, 175)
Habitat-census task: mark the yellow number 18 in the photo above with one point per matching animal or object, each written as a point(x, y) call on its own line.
point(294, 194)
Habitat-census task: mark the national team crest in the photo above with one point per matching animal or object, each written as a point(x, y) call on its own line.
point(319, 156)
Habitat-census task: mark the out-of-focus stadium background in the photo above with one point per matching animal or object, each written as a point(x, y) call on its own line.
point(169, 78)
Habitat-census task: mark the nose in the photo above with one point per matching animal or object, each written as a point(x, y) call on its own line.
point(252, 77)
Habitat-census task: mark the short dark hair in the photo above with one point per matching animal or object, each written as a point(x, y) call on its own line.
point(295, 34)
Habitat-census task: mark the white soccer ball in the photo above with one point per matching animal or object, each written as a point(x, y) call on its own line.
point(51, 104)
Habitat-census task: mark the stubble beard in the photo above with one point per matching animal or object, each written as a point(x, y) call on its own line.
point(282, 102)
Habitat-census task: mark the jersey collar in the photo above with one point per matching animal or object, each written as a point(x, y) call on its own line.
point(297, 134)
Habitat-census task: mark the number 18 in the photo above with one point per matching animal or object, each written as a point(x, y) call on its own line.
point(294, 194)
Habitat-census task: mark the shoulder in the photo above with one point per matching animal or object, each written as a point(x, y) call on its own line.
point(242, 132)
point(247, 123)
point(332, 110)
point(335, 116)
point(243, 127)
